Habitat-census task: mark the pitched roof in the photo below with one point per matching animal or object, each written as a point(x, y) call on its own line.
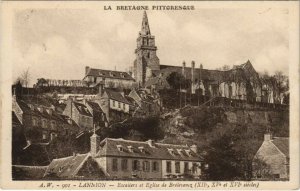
point(95, 106)
point(282, 143)
point(109, 74)
point(15, 119)
point(117, 96)
point(68, 166)
point(109, 147)
point(82, 109)
point(21, 172)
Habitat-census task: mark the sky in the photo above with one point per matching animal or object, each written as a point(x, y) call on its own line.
point(59, 43)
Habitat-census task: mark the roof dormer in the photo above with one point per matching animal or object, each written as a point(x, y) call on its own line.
point(142, 149)
point(171, 151)
point(188, 152)
point(120, 148)
point(130, 148)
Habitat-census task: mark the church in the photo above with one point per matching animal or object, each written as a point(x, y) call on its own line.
point(242, 82)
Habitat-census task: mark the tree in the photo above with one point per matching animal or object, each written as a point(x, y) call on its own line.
point(178, 81)
point(282, 82)
point(222, 160)
point(25, 77)
point(224, 68)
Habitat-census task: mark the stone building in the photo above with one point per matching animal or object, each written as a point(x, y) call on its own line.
point(126, 159)
point(136, 159)
point(146, 104)
point(114, 104)
point(41, 123)
point(80, 114)
point(272, 158)
point(146, 60)
point(111, 79)
point(78, 166)
point(241, 82)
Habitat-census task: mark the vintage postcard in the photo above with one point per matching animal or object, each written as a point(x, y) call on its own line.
point(175, 95)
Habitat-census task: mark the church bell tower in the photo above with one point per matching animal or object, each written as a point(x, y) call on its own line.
point(146, 59)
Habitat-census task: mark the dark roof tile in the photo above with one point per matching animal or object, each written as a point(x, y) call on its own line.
point(159, 151)
point(282, 143)
point(109, 74)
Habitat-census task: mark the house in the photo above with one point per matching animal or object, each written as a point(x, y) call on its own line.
point(146, 104)
point(114, 104)
point(80, 114)
point(123, 159)
point(272, 158)
point(127, 159)
point(112, 79)
point(41, 123)
point(99, 118)
point(78, 166)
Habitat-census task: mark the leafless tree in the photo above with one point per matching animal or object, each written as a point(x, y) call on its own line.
point(282, 81)
point(25, 77)
point(224, 68)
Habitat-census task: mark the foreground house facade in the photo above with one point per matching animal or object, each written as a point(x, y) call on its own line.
point(119, 158)
point(272, 158)
point(126, 159)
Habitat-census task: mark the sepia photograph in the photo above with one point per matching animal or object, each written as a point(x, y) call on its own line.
point(130, 92)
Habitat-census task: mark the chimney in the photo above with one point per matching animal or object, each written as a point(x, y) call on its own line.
point(193, 77)
point(183, 68)
point(194, 148)
point(87, 69)
point(200, 71)
point(267, 137)
point(95, 143)
point(101, 88)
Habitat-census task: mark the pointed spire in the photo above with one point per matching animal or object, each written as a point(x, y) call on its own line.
point(145, 25)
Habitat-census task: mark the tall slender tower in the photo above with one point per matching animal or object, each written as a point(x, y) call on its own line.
point(146, 59)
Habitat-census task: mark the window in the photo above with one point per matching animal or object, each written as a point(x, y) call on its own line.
point(114, 103)
point(44, 135)
point(120, 148)
point(177, 167)
point(119, 104)
point(44, 123)
point(135, 165)
point(146, 166)
point(34, 122)
point(115, 164)
point(141, 149)
point(186, 167)
point(124, 164)
point(194, 168)
point(169, 169)
point(276, 175)
point(148, 55)
point(130, 148)
point(124, 106)
point(53, 124)
point(155, 166)
point(95, 79)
